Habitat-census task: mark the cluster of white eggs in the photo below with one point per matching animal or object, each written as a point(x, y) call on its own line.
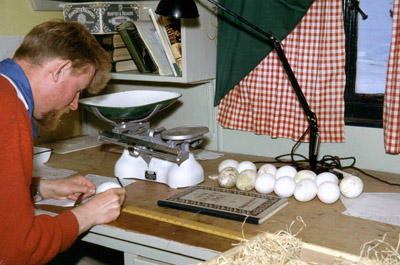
point(286, 181)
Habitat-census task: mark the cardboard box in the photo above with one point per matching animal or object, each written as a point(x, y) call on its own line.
point(101, 17)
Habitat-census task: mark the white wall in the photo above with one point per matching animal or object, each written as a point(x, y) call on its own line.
point(8, 45)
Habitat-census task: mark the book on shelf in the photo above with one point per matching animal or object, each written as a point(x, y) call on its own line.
point(138, 52)
point(148, 34)
point(226, 203)
point(122, 66)
point(173, 30)
point(109, 41)
point(166, 45)
point(119, 54)
point(145, 36)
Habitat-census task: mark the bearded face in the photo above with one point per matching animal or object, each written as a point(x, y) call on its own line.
point(51, 119)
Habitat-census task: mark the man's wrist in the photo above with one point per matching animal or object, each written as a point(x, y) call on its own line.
point(37, 196)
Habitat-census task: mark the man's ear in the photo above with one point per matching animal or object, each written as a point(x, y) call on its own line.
point(60, 68)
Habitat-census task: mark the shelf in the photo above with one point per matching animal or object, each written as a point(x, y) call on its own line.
point(137, 76)
point(199, 50)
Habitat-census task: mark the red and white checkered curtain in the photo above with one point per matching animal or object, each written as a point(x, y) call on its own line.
point(391, 105)
point(264, 102)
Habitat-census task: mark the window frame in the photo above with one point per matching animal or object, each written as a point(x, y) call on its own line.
point(364, 110)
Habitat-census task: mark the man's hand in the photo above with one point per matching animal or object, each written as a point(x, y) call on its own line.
point(66, 188)
point(102, 208)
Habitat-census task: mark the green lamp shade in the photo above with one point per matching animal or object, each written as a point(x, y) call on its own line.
point(177, 9)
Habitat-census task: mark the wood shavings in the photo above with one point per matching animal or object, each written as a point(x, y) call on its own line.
point(380, 252)
point(280, 248)
point(284, 248)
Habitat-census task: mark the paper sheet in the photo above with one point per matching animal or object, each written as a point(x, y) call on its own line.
point(96, 179)
point(380, 207)
point(73, 144)
point(207, 155)
point(51, 173)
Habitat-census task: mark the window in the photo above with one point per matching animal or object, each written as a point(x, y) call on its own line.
point(367, 53)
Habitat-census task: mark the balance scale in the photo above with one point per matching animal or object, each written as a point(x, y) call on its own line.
point(158, 155)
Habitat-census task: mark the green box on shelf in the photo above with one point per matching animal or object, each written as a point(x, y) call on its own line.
point(101, 17)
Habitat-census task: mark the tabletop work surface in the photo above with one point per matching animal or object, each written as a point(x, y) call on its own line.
point(326, 226)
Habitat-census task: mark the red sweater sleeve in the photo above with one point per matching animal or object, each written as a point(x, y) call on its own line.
point(25, 238)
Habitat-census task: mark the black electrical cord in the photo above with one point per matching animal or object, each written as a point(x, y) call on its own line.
point(332, 162)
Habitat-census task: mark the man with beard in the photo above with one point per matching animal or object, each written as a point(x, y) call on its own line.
point(56, 61)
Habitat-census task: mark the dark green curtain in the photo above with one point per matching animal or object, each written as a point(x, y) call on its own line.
point(240, 48)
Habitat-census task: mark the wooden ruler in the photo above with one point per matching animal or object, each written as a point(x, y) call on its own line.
point(210, 229)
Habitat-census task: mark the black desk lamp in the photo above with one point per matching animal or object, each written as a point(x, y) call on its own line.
point(188, 9)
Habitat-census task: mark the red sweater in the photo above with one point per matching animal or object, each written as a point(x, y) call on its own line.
point(24, 237)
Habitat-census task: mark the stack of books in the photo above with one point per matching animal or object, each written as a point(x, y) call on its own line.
point(154, 45)
point(120, 57)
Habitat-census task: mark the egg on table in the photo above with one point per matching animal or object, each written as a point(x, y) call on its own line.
point(284, 186)
point(265, 183)
point(267, 168)
point(351, 187)
point(306, 190)
point(326, 176)
point(285, 171)
point(305, 174)
point(246, 165)
point(227, 163)
point(246, 180)
point(227, 177)
point(328, 192)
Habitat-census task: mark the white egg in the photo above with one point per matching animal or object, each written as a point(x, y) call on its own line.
point(306, 190)
point(285, 171)
point(328, 192)
point(284, 186)
point(305, 174)
point(246, 179)
point(227, 163)
point(326, 176)
point(227, 177)
point(265, 183)
point(106, 186)
point(351, 187)
point(246, 165)
point(267, 168)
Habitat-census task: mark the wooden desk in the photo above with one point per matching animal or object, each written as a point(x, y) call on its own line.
point(138, 236)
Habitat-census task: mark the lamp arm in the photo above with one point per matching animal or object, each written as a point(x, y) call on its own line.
point(311, 116)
